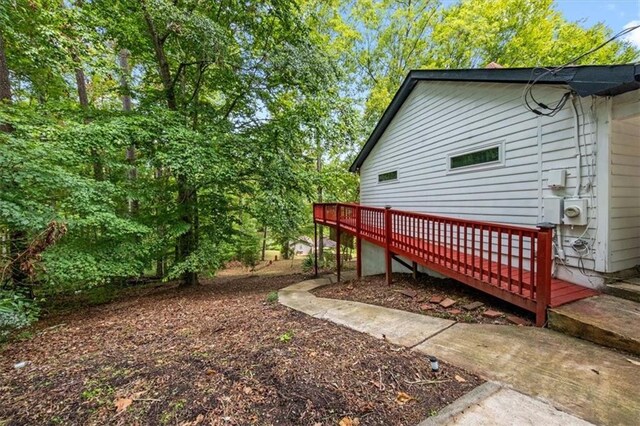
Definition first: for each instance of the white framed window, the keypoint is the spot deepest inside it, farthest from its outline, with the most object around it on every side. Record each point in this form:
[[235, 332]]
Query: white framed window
[[391, 176], [477, 158]]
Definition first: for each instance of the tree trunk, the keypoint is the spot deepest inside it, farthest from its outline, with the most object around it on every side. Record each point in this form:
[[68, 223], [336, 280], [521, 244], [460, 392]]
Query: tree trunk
[[83, 99], [161, 58], [160, 203], [5, 83], [320, 247], [125, 71], [186, 241], [187, 197], [81, 83], [264, 242]]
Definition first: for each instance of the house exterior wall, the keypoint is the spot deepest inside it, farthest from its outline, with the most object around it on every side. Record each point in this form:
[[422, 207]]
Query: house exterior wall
[[441, 118], [624, 208], [373, 262]]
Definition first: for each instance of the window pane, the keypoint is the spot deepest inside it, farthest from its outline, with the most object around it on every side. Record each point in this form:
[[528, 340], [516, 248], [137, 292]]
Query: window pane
[[479, 157], [388, 176]]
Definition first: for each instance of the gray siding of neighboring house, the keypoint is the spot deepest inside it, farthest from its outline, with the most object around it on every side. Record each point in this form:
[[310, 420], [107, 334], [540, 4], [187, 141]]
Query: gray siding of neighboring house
[[440, 118]]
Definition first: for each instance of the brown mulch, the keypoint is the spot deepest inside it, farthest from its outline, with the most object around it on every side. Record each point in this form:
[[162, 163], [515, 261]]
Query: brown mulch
[[218, 354], [411, 295]]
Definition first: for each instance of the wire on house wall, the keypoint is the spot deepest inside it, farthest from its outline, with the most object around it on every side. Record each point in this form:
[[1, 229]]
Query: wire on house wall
[[553, 108], [581, 246]]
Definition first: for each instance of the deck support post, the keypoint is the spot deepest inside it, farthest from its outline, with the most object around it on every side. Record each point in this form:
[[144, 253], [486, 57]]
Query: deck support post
[[414, 270], [387, 245], [338, 241], [315, 247], [543, 274], [358, 244]]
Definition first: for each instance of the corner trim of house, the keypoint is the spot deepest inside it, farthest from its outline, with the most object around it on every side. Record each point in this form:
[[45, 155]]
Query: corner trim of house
[[603, 183]]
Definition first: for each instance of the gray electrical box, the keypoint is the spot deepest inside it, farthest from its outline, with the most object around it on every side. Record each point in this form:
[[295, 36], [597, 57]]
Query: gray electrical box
[[576, 211], [556, 179], [553, 210]]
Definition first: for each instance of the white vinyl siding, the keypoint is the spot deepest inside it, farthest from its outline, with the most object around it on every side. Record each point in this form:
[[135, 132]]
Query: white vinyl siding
[[625, 182], [441, 118]]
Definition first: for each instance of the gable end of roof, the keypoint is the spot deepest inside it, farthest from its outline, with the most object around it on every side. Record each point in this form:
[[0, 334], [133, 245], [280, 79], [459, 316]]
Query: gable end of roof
[[596, 80]]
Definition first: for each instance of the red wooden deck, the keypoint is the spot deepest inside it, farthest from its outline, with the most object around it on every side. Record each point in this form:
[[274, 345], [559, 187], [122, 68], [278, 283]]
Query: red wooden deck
[[510, 262]]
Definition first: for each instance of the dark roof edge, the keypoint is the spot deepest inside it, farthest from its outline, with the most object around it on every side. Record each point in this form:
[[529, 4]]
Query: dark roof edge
[[598, 80]]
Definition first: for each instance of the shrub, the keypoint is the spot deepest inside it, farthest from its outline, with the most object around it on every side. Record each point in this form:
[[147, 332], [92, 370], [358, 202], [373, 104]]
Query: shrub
[[328, 261], [307, 263], [286, 337], [272, 297], [16, 311]]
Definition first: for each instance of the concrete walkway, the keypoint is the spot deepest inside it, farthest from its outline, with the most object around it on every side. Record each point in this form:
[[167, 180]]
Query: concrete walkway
[[577, 377], [491, 404]]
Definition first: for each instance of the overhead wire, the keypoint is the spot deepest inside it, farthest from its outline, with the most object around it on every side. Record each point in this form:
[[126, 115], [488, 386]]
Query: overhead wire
[[551, 110]]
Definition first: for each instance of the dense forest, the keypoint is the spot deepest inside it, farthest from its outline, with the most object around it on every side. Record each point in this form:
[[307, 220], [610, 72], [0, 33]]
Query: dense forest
[[163, 138]]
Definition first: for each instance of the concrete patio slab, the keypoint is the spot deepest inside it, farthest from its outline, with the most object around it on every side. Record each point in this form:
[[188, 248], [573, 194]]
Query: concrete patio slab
[[398, 327], [592, 382], [308, 285], [300, 301], [493, 405]]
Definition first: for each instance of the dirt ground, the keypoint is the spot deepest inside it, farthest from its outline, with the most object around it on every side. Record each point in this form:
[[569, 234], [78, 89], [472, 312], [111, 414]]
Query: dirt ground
[[219, 353], [424, 296]]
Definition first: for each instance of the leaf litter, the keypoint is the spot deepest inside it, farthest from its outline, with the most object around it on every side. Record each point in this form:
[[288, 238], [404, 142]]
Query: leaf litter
[[211, 354]]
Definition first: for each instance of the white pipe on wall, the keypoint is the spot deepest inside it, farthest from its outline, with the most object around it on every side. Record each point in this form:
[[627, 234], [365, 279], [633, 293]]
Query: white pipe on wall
[[576, 137]]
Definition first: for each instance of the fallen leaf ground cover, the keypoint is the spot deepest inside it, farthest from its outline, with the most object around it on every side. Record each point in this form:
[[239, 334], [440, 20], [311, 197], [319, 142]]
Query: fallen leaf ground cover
[[219, 354], [429, 296]]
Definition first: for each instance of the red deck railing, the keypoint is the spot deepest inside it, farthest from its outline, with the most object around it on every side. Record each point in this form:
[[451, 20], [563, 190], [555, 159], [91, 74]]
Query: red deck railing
[[507, 261]]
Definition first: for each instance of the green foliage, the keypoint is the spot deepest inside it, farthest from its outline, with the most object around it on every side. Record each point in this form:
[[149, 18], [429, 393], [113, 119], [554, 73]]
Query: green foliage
[[242, 113], [246, 244], [286, 337], [308, 262], [389, 38], [327, 261], [272, 297], [16, 311]]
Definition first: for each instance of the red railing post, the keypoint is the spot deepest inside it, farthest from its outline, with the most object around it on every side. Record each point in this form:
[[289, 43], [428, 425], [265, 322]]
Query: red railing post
[[315, 242], [358, 243], [543, 278], [338, 241], [387, 238]]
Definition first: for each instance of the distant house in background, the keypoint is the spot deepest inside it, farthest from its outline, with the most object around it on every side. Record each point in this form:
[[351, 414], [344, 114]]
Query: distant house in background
[[328, 243], [302, 246]]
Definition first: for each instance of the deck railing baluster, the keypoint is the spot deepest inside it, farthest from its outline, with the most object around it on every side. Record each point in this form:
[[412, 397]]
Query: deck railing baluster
[[466, 262], [532, 266], [499, 257], [439, 221], [481, 251], [416, 236], [520, 257], [509, 260], [490, 255], [458, 245], [473, 250]]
